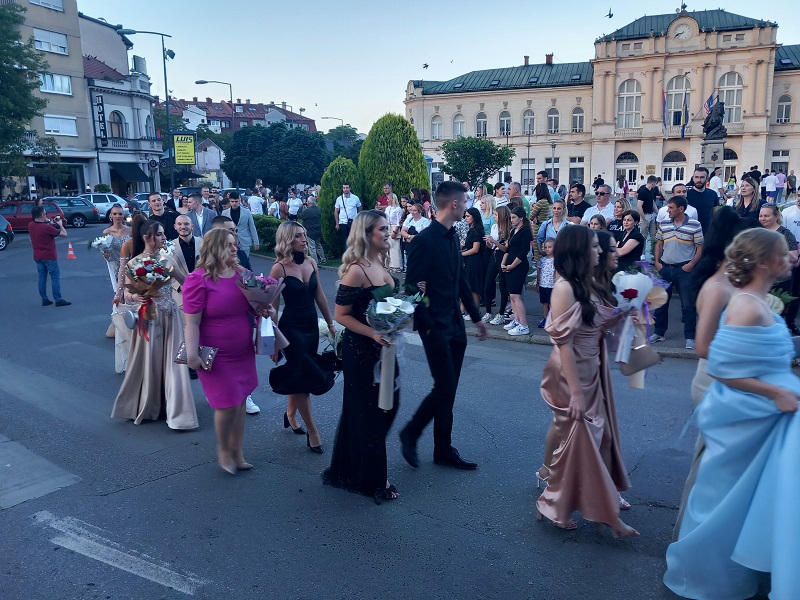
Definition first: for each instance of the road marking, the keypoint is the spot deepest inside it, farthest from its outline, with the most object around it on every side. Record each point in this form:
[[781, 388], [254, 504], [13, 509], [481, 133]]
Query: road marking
[[25, 475], [85, 539]]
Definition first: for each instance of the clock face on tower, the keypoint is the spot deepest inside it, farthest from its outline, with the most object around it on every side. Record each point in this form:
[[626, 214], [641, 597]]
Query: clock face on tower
[[683, 32]]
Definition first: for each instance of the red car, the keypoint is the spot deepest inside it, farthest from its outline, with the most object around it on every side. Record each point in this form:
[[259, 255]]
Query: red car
[[18, 213]]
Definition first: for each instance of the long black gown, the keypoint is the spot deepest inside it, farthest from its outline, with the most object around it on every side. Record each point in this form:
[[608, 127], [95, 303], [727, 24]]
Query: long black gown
[[300, 374], [359, 454]]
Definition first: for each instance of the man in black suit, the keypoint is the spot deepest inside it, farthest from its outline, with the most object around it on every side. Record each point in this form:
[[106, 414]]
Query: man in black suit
[[434, 263]]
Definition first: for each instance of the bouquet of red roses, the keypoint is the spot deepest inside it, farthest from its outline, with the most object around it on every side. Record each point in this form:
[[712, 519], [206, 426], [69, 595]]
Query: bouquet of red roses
[[146, 277]]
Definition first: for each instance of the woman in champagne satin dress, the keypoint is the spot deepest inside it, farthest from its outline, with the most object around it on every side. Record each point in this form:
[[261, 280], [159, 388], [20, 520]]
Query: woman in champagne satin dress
[[587, 470]]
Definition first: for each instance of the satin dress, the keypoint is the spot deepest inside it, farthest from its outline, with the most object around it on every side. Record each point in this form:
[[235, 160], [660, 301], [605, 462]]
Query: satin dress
[[579, 477], [741, 516]]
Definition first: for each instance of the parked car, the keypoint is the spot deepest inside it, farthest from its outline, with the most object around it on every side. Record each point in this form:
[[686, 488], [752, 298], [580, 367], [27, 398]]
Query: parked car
[[104, 203], [77, 211], [18, 213], [6, 233], [188, 191], [242, 191]]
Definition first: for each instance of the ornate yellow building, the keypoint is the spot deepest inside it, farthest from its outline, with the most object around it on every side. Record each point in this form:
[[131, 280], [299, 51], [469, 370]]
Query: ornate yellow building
[[622, 112]]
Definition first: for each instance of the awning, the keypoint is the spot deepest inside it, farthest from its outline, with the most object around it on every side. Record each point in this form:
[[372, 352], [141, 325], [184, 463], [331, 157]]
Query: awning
[[129, 171], [186, 174]]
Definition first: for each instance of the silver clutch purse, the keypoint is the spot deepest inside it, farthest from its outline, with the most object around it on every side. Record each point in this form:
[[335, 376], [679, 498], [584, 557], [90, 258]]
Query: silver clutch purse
[[207, 354]]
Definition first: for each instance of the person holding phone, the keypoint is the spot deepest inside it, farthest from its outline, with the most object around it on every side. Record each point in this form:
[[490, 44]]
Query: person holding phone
[[43, 233]]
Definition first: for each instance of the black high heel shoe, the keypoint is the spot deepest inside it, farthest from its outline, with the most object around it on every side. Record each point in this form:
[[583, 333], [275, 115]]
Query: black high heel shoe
[[314, 449], [287, 424]]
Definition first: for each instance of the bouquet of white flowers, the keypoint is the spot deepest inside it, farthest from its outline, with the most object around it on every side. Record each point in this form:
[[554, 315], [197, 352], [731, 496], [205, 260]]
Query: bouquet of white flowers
[[102, 243]]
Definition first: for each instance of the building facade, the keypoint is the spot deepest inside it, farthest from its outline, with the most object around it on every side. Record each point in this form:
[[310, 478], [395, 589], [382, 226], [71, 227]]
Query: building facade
[[622, 113], [222, 116]]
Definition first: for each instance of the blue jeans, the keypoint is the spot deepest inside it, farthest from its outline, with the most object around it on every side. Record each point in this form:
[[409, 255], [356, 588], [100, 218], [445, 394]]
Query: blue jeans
[[778, 195], [682, 282], [44, 267]]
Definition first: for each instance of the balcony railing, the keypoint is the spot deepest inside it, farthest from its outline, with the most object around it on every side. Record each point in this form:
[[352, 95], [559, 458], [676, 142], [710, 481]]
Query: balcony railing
[[734, 127], [675, 130], [628, 132], [142, 144]]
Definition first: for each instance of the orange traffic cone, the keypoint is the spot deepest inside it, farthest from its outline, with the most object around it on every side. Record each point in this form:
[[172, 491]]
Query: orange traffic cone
[[70, 251]]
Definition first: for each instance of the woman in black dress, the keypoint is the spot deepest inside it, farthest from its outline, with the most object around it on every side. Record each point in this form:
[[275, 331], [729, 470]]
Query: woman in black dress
[[629, 248], [359, 454], [515, 265], [473, 255], [300, 376]]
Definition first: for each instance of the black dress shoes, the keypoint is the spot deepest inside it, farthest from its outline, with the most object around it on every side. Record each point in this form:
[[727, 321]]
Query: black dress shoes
[[452, 458], [408, 446]]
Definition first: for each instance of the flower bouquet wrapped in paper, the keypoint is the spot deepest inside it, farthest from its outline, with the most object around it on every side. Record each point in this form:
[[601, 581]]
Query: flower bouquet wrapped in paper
[[637, 294], [102, 243], [388, 315], [261, 292], [146, 277]]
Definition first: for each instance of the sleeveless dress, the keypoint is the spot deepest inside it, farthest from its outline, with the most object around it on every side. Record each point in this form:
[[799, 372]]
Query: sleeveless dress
[[579, 478], [359, 454], [113, 261], [300, 374], [225, 326], [741, 515]]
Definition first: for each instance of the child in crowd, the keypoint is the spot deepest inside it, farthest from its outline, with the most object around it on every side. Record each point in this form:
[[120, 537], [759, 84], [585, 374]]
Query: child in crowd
[[546, 278]]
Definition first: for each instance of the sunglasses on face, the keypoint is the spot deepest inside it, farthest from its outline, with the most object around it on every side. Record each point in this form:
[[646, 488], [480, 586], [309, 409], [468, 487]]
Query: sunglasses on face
[[602, 194]]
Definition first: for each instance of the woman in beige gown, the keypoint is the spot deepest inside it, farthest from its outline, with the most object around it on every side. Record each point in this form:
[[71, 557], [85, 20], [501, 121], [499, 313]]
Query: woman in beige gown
[[587, 470], [154, 385]]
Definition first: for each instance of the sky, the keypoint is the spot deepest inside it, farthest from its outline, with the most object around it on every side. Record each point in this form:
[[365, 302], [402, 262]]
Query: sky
[[352, 59]]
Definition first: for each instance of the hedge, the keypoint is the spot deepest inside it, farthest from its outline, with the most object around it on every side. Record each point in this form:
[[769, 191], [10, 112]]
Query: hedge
[[267, 227]]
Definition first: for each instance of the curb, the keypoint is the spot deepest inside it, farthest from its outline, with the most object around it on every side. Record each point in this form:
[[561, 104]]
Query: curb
[[544, 340]]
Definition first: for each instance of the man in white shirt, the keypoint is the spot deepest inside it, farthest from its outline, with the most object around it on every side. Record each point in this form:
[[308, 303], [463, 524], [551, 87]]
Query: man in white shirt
[[791, 220], [604, 205], [717, 184], [678, 189], [771, 184], [255, 203], [345, 209]]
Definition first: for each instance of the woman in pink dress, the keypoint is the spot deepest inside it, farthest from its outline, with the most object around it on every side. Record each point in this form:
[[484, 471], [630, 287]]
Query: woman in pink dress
[[586, 471], [217, 316]]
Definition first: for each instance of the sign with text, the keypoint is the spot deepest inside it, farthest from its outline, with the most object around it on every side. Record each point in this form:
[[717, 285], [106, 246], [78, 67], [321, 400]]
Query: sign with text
[[650, 169], [183, 143], [101, 120]]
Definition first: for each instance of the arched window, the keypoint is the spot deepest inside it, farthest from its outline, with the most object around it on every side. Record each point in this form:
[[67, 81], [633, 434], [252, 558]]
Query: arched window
[[677, 97], [481, 124], [627, 166], [629, 104], [627, 157], [505, 123], [577, 120], [458, 126], [730, 92], [674, 169], [553, 120], [436, 127], [784, 109], [528, 122], [729, 154], [116, 125], [150, 131]]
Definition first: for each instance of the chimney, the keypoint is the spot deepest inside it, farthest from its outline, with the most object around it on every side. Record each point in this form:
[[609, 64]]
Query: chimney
[[283, 105], [155, 98], [238, 101], [208, 100], [548, 59], [527, 60], [247, 101], [194, 99]]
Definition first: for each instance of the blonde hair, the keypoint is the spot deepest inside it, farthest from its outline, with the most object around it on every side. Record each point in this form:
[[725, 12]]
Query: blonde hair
[[748, 250], [214, 252], [284, 238], [358, 243], [392, 199], [489, 204], [626, 206]]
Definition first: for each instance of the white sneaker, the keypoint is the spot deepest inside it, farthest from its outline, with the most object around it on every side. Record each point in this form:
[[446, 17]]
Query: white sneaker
[[519, 330], [466, 317], [250, 407], [511, 325], [486, 318], [498, 320], [690, 344]]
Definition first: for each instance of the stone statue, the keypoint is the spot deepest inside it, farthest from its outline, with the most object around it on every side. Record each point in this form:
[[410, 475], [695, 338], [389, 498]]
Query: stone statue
[[712, 126]]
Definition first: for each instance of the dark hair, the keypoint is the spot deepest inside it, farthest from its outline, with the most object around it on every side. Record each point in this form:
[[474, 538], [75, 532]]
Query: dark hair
[[195, 195], [678, 201], [580, 187], [220, 219], [520, 213], [37, 211], [701, 168], [234, 196], [543, 174], [503, 222], [156, 194], [425, 195], [725, 225], [602, 274], [146, 228], [571, 261], [600, 219], [477, 221], [634, 214], [542, 191], [446, 192], [652, 179], [415, 194]]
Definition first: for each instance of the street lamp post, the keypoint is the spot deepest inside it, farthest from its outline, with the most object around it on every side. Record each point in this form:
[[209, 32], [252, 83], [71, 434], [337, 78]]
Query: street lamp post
[[164, 54], [341, 122]]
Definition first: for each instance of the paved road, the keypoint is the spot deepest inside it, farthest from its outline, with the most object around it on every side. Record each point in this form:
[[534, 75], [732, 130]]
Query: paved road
[[96, 508]]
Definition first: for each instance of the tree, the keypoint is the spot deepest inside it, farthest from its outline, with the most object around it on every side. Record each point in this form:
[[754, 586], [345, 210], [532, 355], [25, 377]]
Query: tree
[[223, 140], [474, 160], [160, 125], [277, 155], [20, 65], [342, 133], [391, 153], [340, 171], [48, 163], [350, 151]]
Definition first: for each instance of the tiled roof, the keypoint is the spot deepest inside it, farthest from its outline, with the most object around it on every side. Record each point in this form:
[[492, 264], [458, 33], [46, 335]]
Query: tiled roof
[[513, 78], [787, 58], [97, 69], [708, 20], [250, 111]]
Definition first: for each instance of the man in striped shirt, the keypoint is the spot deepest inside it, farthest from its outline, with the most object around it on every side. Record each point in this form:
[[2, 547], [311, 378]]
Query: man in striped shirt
[[679, 245]]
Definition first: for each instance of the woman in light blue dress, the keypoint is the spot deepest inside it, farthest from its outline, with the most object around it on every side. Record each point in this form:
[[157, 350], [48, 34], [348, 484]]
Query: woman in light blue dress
[[741, 517]]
